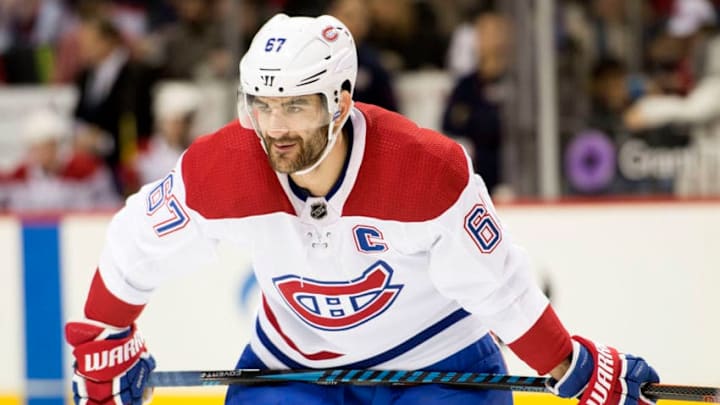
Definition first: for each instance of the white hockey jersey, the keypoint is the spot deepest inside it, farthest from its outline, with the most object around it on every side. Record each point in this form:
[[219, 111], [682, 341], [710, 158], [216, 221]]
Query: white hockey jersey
[[403, 264]]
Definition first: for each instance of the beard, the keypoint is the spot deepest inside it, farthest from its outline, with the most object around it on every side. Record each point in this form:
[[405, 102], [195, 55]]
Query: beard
[[303, 154]]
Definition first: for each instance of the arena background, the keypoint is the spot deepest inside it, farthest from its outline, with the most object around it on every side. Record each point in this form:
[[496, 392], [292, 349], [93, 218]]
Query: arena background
[[633, 266]]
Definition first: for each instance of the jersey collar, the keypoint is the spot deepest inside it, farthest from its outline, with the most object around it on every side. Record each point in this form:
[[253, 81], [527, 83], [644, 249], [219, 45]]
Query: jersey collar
[[338, 194]]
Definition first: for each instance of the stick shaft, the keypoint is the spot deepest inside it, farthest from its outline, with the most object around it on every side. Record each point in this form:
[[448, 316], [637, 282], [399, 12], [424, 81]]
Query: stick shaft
[[402, 378]]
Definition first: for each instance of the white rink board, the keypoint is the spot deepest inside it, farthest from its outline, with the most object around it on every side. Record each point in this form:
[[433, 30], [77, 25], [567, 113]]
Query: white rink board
[[641, 277], [11, 305]]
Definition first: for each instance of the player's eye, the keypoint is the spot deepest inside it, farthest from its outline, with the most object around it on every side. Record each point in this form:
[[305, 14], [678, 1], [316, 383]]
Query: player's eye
[[261, 107]]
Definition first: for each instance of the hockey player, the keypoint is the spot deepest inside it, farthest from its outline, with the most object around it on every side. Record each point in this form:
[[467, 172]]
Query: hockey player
[[374, 245]]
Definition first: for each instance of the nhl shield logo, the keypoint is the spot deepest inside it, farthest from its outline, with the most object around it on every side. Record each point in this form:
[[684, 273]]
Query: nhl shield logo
[[340, 305], [318, 210]]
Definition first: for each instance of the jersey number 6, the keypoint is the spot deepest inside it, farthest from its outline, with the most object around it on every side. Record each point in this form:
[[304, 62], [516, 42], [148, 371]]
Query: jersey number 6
[[161, 196], [482, 228]]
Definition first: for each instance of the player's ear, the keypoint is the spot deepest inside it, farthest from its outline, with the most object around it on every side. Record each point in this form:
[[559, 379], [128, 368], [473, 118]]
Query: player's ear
[[344, 105]]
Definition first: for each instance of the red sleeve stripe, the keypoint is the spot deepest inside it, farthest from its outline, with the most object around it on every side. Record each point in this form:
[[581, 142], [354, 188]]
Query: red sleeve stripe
[[103, 306], [545, 344]]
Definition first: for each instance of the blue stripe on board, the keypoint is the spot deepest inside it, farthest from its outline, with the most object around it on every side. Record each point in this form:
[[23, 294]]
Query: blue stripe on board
[[43, 311]]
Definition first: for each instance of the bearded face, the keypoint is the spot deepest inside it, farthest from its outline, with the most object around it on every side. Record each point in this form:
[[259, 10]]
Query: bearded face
[[293, 152], [293, 130]]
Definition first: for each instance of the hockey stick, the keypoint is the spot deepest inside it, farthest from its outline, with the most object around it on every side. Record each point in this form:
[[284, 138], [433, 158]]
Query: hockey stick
[[403, 378]]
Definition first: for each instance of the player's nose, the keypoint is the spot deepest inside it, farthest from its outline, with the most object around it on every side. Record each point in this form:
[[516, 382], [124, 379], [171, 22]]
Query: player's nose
[[277, 132], [276, 125]]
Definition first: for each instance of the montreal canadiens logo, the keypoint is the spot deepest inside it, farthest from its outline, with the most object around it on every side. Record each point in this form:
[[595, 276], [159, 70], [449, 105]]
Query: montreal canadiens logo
[[330, 33], [340, 305]]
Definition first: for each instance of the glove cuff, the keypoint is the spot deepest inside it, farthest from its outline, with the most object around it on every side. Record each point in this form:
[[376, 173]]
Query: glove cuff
[[88, 330], [606, 373], [577, 376], [600, 375]]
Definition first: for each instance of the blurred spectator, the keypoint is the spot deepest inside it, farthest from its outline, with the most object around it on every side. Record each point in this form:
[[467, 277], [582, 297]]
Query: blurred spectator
[[250, 15], [664, 63], [693, 24], [612, 90], [599, 28], [407, 34], [176, 104], [114, 97], [699, 170], [374, 82], [590, 155], [461, 59], [668, 58], [596, 157], [130, 18], [194, 46], [29, 30], [589, 32], [68, 63], [680, 54], [473, 114], [53, 177]]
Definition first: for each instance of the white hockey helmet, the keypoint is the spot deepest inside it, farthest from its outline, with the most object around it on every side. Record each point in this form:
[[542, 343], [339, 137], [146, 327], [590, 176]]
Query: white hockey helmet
[[174, 99], [297, 56], [46, 125]]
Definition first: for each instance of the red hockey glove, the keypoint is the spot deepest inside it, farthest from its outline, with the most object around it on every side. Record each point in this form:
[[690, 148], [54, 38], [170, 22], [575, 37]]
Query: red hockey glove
[[602, 376], [112, 364]]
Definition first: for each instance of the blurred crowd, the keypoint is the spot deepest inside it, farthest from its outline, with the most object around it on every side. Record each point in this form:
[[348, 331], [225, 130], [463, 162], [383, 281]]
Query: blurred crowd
[[637, 92], [636, 102], [651, 120]]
